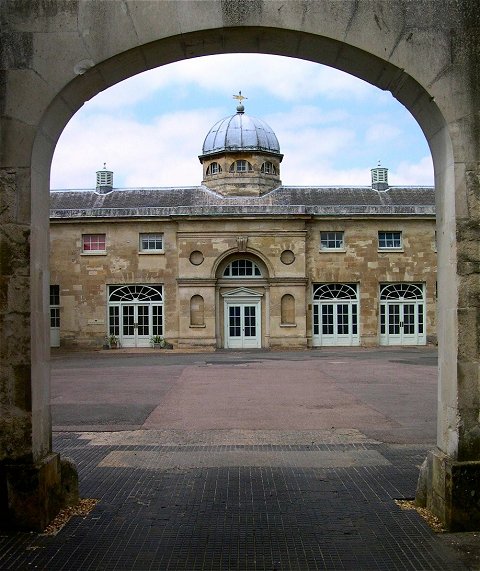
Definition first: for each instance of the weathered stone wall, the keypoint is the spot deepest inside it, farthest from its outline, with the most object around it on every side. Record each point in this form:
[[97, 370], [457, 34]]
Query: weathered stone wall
[[363, 263], [242, 184], [196, 253]]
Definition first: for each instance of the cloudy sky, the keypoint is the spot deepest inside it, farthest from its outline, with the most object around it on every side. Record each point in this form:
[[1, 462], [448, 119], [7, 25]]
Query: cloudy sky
[[332, 127]]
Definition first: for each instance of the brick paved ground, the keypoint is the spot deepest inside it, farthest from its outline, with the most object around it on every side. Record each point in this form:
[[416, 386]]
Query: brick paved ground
[[227, 497]]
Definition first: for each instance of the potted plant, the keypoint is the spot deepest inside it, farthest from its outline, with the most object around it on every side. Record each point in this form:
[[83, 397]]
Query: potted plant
[[113, 341], [157, 341]]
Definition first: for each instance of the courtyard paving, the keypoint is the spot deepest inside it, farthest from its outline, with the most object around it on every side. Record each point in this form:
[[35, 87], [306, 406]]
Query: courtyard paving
[[244, 460]]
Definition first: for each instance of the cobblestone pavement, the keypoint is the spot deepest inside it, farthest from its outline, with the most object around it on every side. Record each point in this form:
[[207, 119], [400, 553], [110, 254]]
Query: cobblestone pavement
[[238, 498]]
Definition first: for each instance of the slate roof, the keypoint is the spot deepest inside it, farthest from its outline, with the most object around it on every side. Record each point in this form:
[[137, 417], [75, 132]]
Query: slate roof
[[201, 201]]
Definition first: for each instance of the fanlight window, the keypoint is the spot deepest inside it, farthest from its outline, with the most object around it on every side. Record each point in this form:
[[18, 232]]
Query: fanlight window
[[241, 166], [135, 293], [214, 168], [268, 168], [242, 269], [335, 291], [401, 291]]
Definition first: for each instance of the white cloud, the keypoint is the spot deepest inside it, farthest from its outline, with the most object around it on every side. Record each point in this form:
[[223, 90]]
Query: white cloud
[[380, 133], [285, 78], [412, 174], [162, 153]]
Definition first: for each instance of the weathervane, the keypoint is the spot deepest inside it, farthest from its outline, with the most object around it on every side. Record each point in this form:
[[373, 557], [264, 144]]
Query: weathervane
[[239, 97]]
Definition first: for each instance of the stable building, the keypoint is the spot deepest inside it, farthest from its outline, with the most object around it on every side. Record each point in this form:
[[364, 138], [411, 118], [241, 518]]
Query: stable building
[[242, 261]]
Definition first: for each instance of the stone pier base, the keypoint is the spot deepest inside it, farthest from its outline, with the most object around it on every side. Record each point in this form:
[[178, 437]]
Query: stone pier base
[[31, 495], [451, 491]]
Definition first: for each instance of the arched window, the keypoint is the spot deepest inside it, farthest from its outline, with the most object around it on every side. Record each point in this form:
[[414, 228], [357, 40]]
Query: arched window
[[197, 310], [401, 291], [241, 166], [268, 168], [288, 309], [135, 293], [335, 291], [335, 314], [213, 168], [242, 269]]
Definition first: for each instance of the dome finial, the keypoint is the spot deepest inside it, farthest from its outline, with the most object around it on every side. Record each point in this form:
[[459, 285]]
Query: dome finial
[[240, 98]]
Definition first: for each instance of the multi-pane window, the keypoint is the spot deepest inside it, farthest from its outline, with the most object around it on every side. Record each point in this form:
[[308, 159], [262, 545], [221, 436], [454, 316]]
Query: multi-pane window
[[54, 306], [214, 168], [268, 168], [93, 243], [241, 166], [242, 269], [151, 242], [331, 241], [389, 240]]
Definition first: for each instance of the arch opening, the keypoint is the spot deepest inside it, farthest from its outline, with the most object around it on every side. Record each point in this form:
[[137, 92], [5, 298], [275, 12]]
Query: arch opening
[[321, 49]]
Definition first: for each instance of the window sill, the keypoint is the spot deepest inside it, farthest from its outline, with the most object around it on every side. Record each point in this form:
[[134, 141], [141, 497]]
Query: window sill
[[93, 254], [288, 324], [332, 250], [153, 252], [388, 250], [197, 326]]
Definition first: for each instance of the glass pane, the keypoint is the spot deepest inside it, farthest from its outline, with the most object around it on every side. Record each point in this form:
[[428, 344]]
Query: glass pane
[[143, 320], [93, 242], [331, 240], [249, 321], [342, 319], [382, 320], [316, 328], [54, 295], [234, 321], [409, 319], [136, 293], [54, 317], [151, 241], [389, 239], [420, 318], [157, 320], [335, 291], [354, 319], [128, 320], [327, 319], [114, 320], [394, 319]]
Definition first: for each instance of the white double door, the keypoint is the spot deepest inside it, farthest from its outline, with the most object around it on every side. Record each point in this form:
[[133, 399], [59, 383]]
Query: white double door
[[402, 323], [138, 322], [335, 323], [242, 325]]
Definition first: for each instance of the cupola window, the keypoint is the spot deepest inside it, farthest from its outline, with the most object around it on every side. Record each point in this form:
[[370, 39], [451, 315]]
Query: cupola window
[[242, 269], [268, 168], [214, 168], [241, 166]]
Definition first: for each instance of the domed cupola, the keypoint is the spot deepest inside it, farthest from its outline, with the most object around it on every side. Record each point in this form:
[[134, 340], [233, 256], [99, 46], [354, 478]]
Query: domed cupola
[[241, 155]]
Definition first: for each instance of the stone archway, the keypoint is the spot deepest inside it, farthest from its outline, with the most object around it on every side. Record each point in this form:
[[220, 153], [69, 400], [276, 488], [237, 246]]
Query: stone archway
[[399, 46]]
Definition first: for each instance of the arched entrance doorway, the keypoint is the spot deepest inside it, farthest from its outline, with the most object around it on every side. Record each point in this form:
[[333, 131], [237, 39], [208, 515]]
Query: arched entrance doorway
[[42, 93], [242, 284], [135, 313]]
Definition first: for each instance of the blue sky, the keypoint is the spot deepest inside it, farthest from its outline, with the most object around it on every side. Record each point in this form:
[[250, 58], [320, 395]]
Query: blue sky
[[332, 127]]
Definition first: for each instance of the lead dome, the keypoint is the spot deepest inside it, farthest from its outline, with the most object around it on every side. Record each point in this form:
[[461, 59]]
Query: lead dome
[[241, 156], [240, 132]]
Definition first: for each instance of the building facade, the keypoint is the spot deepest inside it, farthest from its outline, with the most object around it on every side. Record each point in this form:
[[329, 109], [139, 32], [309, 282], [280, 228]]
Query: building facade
[[242, 261]]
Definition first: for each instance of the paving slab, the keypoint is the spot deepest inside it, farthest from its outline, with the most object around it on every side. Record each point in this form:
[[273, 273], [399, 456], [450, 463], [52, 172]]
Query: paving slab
[[245, 461]]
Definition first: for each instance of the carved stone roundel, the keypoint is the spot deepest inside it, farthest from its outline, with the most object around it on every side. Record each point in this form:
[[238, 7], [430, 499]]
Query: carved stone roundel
[[196, 257], [287, 257]]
